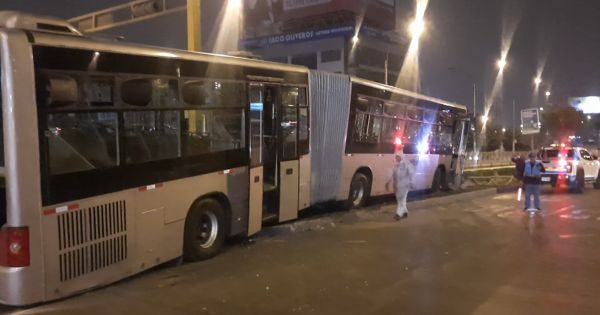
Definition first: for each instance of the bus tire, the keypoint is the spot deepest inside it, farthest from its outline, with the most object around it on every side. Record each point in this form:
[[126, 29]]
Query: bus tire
[[360, 189], [205, 230], [597, 182], [437, 181], [578, 185]]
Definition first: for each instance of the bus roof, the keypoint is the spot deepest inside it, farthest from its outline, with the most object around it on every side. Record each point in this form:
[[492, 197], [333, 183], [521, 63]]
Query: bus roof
[[109, 45], [407, 93]]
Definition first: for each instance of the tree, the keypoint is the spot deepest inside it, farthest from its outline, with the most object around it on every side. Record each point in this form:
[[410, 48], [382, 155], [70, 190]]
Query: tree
[[560, 123]]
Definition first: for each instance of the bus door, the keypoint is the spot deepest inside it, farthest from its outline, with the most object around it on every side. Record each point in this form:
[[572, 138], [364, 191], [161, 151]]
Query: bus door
[[289, 165], [255, 207]]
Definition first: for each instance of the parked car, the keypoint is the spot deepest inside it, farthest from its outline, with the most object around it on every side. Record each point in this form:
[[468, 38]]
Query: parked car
[[570, 166]]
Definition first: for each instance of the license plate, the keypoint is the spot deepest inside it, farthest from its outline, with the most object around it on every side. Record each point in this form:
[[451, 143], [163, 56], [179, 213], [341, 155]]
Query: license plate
[[545, 179]]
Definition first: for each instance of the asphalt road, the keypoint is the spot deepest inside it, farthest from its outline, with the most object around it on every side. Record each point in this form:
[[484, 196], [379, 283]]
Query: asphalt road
[[475, 256]]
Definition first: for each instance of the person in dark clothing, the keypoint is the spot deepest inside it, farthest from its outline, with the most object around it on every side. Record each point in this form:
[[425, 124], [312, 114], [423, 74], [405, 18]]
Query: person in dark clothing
[[532, 181], [519, 167]]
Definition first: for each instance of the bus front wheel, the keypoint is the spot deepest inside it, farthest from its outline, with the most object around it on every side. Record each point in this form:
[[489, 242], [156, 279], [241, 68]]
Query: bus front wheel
[[204, 233]]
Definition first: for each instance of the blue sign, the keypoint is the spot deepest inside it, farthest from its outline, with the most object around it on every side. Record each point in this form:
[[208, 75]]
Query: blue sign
[[297, 37], [256, 107]]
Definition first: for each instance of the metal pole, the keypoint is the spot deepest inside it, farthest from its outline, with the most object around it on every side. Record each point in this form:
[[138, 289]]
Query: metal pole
[[474, 125], [386, 68], [513, 127], [194, 27]]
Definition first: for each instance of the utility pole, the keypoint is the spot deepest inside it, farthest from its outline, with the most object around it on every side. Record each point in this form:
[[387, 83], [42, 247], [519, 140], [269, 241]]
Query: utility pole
[[386, 68], [194, 25], [513, 127], [474, 125]]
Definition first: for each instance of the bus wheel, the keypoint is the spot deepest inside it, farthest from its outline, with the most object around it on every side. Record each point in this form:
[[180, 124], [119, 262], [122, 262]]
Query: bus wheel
[[204, 233], [359, 191], [437, 181]]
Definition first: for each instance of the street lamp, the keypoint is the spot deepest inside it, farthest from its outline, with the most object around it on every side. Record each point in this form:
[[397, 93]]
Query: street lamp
[[503, 130], [355, 39], [501, 64], [235, 4], [416, 28], [548, 93], [484, 119], [541, 109], [537, 82]]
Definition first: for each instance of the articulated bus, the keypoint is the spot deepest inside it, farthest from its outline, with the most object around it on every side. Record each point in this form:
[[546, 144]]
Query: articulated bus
[[119, 157]]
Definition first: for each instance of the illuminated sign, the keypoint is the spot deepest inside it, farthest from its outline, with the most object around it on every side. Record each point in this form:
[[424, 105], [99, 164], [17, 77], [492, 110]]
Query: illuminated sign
[[588, 105], [530, 119]]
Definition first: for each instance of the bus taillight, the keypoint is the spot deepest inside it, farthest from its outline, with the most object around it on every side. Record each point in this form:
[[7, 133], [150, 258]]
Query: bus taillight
[[14, 247]]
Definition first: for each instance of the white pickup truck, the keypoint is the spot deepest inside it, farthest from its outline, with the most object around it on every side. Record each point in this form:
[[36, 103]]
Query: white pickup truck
[[570, 166]]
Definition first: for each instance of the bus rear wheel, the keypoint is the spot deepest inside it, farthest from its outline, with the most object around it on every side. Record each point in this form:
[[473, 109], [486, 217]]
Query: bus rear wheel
[[439, 181], [360, 189], [204, 233]]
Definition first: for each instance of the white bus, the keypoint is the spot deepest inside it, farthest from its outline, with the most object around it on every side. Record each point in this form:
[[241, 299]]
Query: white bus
[[119, 157]]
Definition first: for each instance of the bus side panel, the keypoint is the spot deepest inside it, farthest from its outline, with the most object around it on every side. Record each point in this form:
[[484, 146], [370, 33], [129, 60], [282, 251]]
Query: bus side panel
[[379, 165], [99, 240], [89, 242], [19, 286]]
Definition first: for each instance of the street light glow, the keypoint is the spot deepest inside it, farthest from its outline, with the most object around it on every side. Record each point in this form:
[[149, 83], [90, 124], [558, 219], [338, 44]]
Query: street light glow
[[548, 93], [541, 109], [485, 118], [502, 64], [235, 4], [503, 129], [589, 117], [538, 81], [417, 28]]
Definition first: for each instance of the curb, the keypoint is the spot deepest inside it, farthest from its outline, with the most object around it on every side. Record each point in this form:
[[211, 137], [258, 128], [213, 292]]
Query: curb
[[436, 201]]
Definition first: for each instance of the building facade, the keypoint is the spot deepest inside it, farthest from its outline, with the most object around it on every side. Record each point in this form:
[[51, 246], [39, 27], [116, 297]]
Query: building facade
[[357, 37]]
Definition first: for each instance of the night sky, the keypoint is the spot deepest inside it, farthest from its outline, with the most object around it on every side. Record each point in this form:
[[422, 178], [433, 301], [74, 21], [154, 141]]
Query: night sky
[[462, 45]]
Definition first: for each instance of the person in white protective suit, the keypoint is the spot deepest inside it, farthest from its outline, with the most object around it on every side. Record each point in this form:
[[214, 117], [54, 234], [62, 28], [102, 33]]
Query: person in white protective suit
[[402, 178]]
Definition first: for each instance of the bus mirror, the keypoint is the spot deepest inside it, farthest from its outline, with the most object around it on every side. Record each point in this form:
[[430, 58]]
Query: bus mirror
[[137, 92], [193, 93], [62, 90]]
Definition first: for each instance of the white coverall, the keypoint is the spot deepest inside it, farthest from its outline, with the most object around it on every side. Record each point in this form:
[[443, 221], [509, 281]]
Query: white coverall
[[402, 176]]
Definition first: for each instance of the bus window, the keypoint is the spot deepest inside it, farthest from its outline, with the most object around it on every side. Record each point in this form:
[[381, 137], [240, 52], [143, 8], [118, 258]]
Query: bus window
[[430, 117], [376, 107], [303, 123], [214, 93], [213, 131], [137, 92], [362, 104], [98, 91], [82, 141], [165, 93], [414, 113], [151, 136], [289, 123], [395, 109]]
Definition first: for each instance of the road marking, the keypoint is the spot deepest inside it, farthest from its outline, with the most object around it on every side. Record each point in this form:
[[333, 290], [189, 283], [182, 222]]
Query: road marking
[[568, 236], [563, 209]]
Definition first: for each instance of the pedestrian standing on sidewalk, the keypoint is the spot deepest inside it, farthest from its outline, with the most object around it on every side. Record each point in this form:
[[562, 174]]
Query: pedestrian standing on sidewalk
[[402, 178], [532, 180]]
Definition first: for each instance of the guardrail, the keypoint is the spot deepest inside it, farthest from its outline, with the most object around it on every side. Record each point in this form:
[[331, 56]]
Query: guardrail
[[491, 159]]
